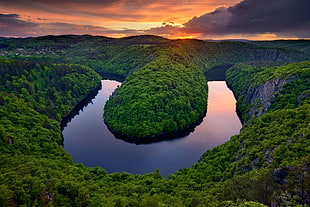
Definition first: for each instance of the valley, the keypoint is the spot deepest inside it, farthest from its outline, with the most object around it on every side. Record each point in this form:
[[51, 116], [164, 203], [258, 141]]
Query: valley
[[164, 90]]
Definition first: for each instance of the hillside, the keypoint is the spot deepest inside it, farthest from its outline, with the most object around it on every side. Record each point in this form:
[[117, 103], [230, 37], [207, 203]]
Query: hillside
[[103, 54], [267, 163], [294, 44]]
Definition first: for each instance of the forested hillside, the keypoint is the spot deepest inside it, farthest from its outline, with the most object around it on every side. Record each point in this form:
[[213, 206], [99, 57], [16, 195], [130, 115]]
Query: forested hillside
[[34, 96], [51, 89], [260, 87], [267, 163], [295, 44], [109, 55]]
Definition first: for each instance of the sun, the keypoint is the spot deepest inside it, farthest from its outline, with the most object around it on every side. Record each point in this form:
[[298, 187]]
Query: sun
[[185, 37]]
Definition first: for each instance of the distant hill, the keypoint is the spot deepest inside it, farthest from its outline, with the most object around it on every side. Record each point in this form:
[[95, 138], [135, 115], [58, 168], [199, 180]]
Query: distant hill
[[232, 40], [2, 38], [295, 44]]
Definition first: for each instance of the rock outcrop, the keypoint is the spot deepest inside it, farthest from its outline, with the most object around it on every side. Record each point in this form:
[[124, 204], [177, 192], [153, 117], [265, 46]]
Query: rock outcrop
[[266, 54], [259, 98]]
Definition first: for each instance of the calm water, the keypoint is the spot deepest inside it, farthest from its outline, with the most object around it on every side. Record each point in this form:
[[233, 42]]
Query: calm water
[[89, 141]]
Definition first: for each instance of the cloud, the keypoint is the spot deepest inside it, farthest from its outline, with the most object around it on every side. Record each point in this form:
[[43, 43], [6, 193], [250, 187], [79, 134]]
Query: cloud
[[246, 19], [10, 25], [178, 11], [285, 18], [43, 3], [212, 23], [77, 10], [165, 30]]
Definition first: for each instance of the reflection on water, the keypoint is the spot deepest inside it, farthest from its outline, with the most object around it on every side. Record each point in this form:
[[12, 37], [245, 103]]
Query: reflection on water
[[89, 141]]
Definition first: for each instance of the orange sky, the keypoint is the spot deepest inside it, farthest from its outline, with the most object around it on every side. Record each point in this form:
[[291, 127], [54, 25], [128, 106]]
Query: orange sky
[[118, 18], [119, 13]]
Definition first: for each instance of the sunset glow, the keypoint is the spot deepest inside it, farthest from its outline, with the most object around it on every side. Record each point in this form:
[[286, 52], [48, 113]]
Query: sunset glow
[[175, 19]]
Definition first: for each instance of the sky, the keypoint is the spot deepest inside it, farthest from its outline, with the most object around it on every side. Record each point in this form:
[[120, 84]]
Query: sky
[[201, 19]]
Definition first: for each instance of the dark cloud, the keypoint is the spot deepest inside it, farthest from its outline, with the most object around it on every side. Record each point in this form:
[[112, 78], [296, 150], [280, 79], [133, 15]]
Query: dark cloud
[[283, 17], [165, 30], [11, 25], [9, 16], [212, 23]]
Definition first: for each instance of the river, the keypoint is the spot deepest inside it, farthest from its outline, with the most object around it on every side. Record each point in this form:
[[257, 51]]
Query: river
[[88, 140]]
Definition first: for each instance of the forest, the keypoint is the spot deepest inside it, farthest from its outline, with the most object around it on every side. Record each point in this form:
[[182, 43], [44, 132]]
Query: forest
[[162, 97], [42, 79]]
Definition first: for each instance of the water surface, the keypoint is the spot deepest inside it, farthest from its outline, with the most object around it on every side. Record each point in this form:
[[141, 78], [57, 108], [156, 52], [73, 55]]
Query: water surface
[[88, 140]]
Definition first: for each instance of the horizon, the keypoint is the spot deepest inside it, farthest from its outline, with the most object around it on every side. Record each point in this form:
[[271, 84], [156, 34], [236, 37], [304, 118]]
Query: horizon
[[173, 19], [215, 40]]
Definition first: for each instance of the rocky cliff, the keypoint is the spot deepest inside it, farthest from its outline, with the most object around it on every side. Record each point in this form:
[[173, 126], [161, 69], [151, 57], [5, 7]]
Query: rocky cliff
[[259, 87], [272, 54], [259, 98]]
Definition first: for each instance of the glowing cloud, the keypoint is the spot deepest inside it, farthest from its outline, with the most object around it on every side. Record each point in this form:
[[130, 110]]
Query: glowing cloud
[[173, 19]]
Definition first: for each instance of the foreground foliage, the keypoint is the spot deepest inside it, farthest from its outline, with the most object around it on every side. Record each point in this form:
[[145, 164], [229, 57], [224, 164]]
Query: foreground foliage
[[50, 89]]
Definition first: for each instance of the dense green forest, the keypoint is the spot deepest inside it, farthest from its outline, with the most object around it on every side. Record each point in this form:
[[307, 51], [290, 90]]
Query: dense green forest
[[266, 164], [162, 97]]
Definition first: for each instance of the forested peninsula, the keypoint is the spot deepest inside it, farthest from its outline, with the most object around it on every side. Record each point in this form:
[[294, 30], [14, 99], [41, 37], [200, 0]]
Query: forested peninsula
[[43, 78]]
